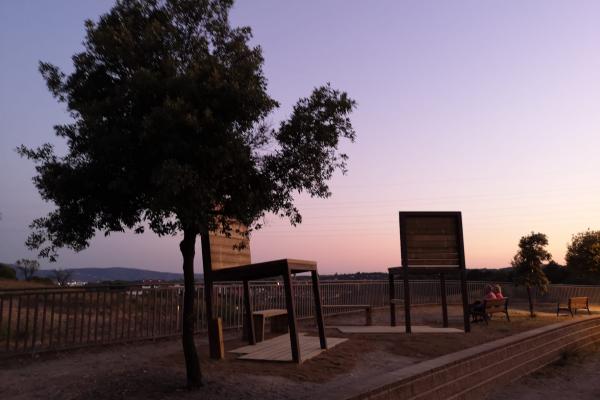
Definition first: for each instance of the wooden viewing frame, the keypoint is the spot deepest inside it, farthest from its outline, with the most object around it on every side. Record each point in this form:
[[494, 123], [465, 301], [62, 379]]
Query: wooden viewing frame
[[283, 268], [448, 252]]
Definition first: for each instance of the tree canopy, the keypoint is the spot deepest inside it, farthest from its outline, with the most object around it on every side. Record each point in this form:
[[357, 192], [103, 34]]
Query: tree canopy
[[169, 108], [528, 264], [170, 131], [529, 261], [583, 256]]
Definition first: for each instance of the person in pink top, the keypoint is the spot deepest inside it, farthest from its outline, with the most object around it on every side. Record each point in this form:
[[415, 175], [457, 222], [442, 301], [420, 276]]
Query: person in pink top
[[489, 293], [498, 292]]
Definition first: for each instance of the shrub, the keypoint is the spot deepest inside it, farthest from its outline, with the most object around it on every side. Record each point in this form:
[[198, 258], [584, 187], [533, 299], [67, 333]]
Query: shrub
[[7, 272]]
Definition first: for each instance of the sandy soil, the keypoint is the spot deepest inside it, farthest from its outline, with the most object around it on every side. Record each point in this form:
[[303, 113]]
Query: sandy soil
[[575, 377], [156, 370]]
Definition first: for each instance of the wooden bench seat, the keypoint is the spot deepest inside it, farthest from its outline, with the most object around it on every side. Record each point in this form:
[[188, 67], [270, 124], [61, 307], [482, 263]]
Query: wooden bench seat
[[574, 304], [489, 308], [277, 317], [367, 307]]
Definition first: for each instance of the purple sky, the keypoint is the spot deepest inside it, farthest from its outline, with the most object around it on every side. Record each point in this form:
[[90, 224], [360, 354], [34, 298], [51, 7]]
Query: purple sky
[[490, 108]]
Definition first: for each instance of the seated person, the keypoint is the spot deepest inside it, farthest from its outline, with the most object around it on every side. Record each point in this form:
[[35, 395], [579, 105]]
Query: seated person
[[498, 292], [488, 295]]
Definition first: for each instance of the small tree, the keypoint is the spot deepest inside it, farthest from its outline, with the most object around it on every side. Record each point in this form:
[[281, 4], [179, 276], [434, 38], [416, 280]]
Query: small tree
[[170, 132], [583, 256], [28, 268], [7, 272], [528, 264], [62, 276]]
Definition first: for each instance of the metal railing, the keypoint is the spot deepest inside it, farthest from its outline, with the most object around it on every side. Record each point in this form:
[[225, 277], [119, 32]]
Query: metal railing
[[34, 320]]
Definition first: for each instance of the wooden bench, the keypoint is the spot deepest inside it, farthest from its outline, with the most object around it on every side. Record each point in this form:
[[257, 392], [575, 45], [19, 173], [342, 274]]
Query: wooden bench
[[489, 308], [574, 304], [277, 317], [367, 307]]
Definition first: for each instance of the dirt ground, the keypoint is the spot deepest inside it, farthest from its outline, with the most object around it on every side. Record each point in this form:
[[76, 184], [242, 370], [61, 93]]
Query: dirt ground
[[13, 284], [155, 370], [575, 377]]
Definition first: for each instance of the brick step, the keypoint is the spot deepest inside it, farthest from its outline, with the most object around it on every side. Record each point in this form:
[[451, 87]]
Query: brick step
[[517, 366], [517, 371], [470, 376]]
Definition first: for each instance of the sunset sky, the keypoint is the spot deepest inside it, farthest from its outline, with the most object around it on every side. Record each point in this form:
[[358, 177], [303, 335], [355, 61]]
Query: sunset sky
[[489, 108]]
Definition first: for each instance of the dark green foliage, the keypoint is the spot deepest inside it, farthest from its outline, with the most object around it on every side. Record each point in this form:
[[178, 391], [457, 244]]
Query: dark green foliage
[[7, 272], [556, 273], [169, 109], [583, 257], [529, 260], [170, 132], [489, 274], [528, 264]]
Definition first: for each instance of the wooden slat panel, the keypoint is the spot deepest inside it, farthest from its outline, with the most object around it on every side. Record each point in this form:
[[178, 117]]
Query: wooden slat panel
[[424, 262], [430, 225], [432, 237], [432, 255], [223, 250], [440, 244]]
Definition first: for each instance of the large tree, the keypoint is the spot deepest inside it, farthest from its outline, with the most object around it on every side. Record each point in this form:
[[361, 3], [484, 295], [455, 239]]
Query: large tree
[[169, 132], [583, 256], [528, 265]]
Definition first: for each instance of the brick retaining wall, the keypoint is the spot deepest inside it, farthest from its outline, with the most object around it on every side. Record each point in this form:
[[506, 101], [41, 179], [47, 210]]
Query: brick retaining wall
[[470, 373]]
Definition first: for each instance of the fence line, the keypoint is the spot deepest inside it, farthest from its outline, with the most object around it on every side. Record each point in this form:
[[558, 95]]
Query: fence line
[[54, 319]]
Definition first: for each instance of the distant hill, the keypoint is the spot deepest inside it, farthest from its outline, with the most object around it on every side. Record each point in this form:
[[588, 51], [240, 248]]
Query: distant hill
[[95, 275]]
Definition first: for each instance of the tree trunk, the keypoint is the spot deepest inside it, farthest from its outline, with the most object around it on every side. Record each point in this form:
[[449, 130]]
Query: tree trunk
[[529, 297], [192, 364]]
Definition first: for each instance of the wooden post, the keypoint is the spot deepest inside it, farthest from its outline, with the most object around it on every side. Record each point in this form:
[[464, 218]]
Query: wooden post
[[407, 323], [444, 301], [465, 300], [392, 290], [35, 319], [289, 302], [43, 333], [9, 327], [318, 309], [216, 343], [250, 333]]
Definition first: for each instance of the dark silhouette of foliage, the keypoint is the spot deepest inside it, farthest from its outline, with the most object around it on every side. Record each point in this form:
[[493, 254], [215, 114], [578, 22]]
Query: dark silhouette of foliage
[[583, 257], [528, 264], [28, 268], [7, 272], [170, 132], [556, 273], [489, 274]]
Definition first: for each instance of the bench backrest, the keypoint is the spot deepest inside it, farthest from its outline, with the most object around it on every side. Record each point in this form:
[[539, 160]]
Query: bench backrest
[[225, 251], [498, 305], [578, 302], [431, 239]]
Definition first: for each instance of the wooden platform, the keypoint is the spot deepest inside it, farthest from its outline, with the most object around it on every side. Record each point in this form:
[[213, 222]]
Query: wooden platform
[[278, 348], [394, 329]]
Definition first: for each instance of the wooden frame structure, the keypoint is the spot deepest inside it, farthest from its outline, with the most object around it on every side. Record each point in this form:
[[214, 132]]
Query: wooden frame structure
[[284, 268], [431, 242]]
